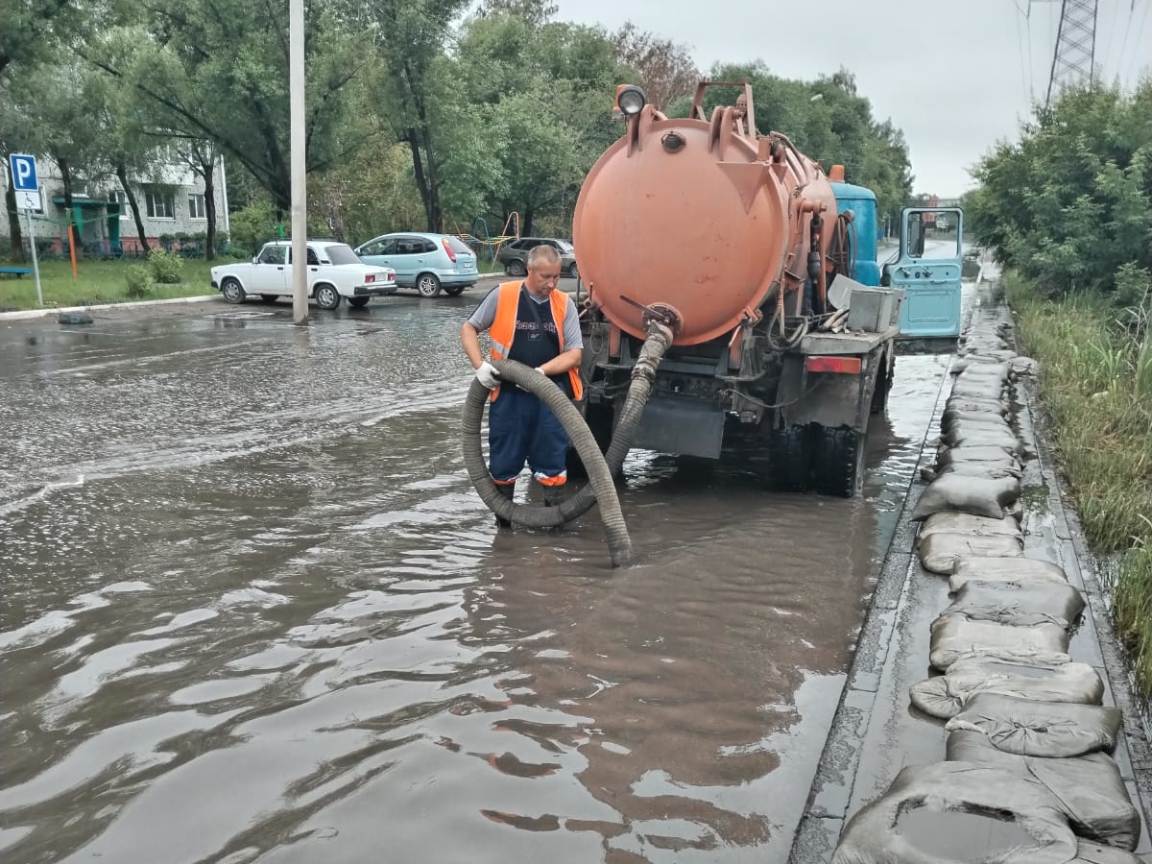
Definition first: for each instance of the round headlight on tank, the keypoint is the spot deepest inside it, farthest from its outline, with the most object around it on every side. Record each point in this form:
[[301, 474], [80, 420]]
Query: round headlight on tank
[[631, 100]]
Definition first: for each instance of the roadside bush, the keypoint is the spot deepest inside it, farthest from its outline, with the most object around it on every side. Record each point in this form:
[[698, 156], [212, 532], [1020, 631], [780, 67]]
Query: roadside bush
[[1070, 204], [165, 267], [139, 281], [252, 227]]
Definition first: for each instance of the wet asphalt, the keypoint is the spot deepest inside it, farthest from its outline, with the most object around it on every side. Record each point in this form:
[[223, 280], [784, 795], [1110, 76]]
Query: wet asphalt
[[253, 611]]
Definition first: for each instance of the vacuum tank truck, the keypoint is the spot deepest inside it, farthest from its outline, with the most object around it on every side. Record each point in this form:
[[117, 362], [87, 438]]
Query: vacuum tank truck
[[733, 240]]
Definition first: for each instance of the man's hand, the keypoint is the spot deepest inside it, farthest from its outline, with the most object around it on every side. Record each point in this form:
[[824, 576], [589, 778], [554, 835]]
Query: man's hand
[[487, 375]]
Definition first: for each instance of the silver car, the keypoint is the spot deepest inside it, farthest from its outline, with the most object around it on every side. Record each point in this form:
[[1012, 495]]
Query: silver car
[[514, 255], [430, 263]]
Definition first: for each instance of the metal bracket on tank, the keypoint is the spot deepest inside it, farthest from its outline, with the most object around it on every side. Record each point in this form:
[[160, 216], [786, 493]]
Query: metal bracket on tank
[[661, 313]]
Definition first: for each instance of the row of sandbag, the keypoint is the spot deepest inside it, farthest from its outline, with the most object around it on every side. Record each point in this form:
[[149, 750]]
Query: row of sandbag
[[1029, 775]]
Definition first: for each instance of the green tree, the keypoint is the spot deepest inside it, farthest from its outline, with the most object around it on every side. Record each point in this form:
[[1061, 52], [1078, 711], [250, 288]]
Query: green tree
[[409, 39], [1070, 203], [217, 70]]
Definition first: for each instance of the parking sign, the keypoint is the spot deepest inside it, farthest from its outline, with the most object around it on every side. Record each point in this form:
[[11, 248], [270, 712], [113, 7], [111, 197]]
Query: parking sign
[[23, 167]]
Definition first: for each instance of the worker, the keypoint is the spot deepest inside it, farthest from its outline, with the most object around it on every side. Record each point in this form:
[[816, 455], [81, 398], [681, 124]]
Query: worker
[[535, 324]]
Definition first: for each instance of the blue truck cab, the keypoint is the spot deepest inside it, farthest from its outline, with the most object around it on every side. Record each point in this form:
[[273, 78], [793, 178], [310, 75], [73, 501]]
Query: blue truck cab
[[861, 202], [927, 268]]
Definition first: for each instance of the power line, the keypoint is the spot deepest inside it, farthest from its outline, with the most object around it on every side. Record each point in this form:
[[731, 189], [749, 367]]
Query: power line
[[1136, 54]]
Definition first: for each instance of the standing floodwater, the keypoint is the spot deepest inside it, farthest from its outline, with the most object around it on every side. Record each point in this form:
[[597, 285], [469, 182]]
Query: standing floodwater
[[252, 610]]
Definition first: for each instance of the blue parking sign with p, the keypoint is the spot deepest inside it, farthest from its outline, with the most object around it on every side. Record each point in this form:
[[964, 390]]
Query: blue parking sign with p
[[23, 167]]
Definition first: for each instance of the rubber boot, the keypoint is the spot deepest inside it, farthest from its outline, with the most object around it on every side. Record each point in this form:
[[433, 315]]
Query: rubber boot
[[508, 491]]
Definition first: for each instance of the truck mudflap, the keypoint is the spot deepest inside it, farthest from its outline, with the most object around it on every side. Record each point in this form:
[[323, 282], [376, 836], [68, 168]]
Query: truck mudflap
[[686, 427]]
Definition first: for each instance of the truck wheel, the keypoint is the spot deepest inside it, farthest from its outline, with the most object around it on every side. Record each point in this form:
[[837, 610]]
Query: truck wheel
[[883, 385], [790, 458], [327, 297], [358, 302], [269, 298], [839, 462], [454, 290]]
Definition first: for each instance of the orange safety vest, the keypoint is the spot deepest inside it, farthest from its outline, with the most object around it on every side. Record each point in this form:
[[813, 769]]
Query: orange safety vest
[[503, 329]]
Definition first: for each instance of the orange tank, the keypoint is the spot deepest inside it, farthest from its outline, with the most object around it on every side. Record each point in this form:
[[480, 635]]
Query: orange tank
[[704, 217]]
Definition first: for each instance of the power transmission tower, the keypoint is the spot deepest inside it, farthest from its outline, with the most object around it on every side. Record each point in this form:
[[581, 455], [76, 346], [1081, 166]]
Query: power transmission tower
[[1073, 60]]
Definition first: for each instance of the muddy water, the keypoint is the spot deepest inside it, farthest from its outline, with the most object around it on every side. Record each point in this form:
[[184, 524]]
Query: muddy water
[[252, 611]]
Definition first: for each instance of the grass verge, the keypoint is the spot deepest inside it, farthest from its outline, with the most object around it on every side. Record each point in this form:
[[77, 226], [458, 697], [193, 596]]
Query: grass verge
[[98, 282], [1096, 384]]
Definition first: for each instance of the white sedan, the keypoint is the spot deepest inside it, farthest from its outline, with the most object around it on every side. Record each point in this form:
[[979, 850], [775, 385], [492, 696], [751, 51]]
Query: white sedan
[[334, 273]]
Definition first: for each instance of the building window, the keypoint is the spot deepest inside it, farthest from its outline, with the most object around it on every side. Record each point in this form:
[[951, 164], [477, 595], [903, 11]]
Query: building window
[[117, 196], [159, 204], [196, 208]]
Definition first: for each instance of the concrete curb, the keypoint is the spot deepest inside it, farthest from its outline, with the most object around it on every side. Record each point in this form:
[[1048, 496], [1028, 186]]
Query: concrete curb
[[26, 314]]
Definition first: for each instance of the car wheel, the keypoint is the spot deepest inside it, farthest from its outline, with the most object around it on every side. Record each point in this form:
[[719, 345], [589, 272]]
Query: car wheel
[[327, 297], [516, 268], [454, 290], [428, 284], [358, 302], [574, 271], [232, 290], [269, 298]]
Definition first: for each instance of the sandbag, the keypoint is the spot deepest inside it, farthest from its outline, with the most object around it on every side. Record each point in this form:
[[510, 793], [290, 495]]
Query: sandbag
[[978, 389], [988, 418], [948, 455], [955, 634], [998, 406], [982, 435], [1019, 602], [976, 495], [987, 470], [1022, 366], [1051, 678], [938, 551], [970, 369], [1007, 569], [1052, 729], [960, 523], [1089, 788], [959, 811], [1088, 852]]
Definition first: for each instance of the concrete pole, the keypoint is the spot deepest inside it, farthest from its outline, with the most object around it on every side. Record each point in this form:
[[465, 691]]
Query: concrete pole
[[299, 176]]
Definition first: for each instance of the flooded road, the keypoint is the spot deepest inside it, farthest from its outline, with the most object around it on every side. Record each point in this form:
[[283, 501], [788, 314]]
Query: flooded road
[[253, 611]]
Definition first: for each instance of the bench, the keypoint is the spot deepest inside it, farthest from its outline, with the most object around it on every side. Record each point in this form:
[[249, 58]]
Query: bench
[[16, 272]]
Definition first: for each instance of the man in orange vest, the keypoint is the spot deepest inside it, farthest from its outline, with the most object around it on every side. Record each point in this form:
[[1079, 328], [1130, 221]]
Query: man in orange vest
[[534, 323]]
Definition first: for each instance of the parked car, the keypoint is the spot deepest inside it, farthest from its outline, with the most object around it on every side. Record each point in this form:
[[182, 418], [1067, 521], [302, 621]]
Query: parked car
[[430, 263], [334, 273], [514, 255]]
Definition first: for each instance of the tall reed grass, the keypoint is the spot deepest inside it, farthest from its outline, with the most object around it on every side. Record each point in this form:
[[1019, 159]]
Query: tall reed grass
[[1096, 384]]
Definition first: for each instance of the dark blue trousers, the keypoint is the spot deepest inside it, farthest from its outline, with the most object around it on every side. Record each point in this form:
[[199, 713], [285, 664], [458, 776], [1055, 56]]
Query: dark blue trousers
[[521, 428]]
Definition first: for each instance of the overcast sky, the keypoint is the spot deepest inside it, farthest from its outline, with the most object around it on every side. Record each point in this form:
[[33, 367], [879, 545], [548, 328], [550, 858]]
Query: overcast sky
[[954, 76]]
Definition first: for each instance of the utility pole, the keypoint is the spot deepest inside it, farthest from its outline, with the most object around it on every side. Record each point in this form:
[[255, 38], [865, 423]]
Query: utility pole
[[299, 163], [1074, 58]]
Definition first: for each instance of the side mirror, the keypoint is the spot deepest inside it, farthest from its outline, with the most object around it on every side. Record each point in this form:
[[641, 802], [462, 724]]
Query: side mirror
[[255, 259]]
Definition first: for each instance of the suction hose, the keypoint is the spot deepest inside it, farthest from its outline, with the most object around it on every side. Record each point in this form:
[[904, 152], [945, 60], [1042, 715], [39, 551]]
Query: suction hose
[[601, 468]]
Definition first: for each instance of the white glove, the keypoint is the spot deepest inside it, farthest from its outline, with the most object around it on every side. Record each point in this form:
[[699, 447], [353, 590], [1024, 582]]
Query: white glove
[[540, 369], [487, 375]]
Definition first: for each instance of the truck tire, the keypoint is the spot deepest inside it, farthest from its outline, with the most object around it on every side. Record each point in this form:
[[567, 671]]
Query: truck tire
[[790, 458], [883, 383], [839, 461]]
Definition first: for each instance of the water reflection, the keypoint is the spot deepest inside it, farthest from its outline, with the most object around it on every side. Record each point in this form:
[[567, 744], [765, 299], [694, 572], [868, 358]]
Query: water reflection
[[254, 612]]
